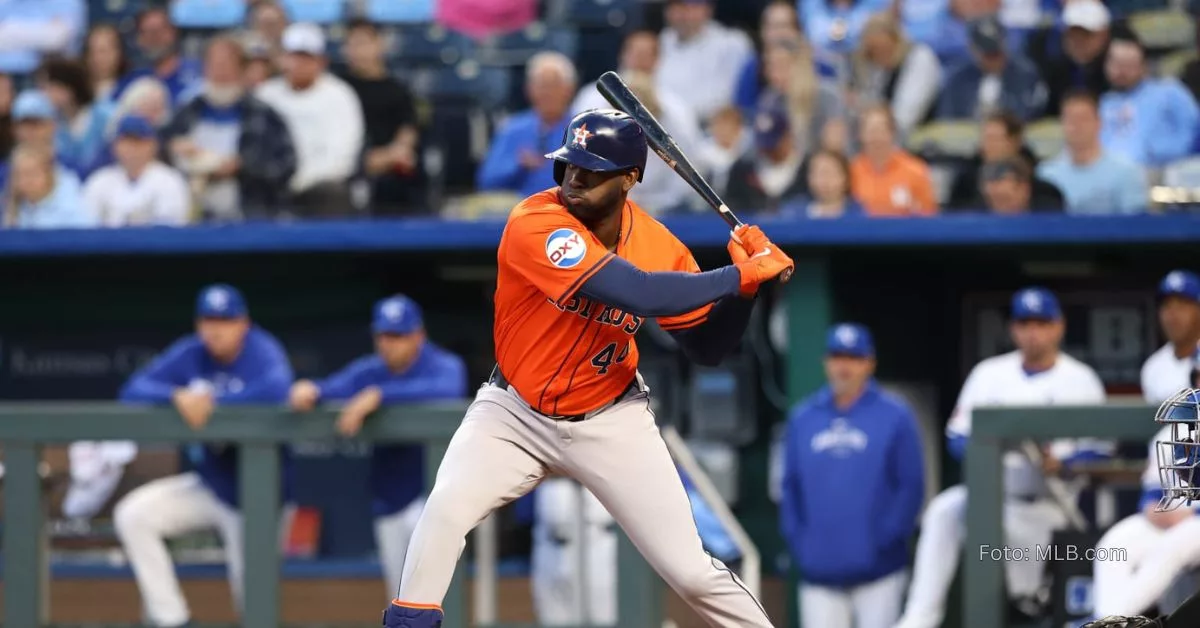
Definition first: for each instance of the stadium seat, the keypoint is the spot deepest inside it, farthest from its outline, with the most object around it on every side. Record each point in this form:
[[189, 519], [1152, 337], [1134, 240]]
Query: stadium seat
[[427, 45], [1044, 137], [606, 13], [208, 13], [1126, 8], [1172, 64], [946, 138], [515, 48], [1164, 30], [316, 11], [466, 82], [118, 12], [399, 11]]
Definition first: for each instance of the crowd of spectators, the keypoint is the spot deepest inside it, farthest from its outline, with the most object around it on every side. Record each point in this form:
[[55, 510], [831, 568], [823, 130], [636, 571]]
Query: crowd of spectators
[[827, 108]]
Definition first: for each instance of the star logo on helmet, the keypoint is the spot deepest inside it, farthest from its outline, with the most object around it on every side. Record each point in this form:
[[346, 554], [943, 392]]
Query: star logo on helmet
[[582, 135]]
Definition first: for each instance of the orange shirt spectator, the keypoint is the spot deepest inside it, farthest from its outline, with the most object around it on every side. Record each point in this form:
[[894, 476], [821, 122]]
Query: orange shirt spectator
[[886, 180]]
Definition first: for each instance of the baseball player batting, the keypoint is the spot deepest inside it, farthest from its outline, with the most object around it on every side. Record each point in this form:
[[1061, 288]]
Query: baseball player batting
[[580, 268]]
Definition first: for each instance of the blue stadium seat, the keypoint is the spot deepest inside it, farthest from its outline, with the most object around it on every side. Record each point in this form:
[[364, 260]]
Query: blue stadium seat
[[466, 82], [208, 13], [427, 45], [118, 12], [609, 13], [399, 11], [316, 11], [517, 47]]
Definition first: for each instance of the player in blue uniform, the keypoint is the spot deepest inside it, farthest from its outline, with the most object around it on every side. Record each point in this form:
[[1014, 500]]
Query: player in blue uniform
[[406, 367], [227, 361]]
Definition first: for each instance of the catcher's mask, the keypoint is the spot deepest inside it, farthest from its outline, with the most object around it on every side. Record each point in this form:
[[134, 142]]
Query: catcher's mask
[[1179, 455]]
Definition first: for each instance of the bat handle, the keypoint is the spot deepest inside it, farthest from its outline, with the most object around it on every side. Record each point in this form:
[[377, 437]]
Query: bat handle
[[785, 276]]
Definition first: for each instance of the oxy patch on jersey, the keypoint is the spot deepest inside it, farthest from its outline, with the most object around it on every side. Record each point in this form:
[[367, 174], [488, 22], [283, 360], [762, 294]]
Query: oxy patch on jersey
[[565, 248], [608, 315]]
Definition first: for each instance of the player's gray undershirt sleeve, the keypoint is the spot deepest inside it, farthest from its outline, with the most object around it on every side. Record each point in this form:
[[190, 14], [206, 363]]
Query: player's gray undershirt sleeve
[[625, 286]]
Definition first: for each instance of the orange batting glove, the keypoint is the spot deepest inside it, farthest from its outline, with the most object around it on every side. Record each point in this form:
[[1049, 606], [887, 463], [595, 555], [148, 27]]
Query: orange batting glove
[[738, 253], [759, 260]]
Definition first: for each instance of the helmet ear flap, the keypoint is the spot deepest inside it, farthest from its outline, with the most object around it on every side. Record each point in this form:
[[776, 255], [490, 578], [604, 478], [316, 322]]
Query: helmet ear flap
[[560, 170]]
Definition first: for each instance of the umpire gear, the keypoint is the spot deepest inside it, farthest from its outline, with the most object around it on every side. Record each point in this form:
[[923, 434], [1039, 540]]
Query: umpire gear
[[601, 140]]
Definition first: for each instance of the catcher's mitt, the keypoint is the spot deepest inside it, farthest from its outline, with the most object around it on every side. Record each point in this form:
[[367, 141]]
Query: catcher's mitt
[[1117, 621]]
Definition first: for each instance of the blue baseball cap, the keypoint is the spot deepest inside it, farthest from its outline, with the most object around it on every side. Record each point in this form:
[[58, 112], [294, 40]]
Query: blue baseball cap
[[33, 104], [135, 126], [1035, 304], [771, 124], [220, 301], [396, 315], [850, 339], [1180, 283]]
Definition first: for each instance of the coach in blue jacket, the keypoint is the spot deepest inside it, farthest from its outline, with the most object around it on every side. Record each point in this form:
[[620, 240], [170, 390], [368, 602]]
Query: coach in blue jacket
[[853, 485], [227, 361], [405, 368]]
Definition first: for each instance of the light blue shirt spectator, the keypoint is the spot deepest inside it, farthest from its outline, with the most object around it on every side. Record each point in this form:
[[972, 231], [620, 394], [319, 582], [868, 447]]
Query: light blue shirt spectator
[[927, 21], [31, 28], [520, 143], [61, 208], [836, 29], [1152, 124], [1108, 185]]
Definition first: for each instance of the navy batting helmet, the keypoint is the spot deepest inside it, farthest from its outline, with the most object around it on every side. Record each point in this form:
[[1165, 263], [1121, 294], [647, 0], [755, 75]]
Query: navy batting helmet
[[602, 140]]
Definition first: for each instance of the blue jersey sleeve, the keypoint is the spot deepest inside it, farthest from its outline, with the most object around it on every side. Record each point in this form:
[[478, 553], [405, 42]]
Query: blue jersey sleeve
[[346, 383], [268, 374], [157, 381], [446, 380]]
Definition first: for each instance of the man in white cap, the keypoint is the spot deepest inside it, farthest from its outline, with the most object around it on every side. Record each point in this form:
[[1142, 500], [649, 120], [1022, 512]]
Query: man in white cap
[[325, 119], [1073, 58]]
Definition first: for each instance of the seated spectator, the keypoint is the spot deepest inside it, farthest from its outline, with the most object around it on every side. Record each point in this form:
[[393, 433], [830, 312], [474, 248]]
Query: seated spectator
[[1001, 136], [828, 188], [82, 122], [994, 78], [138, 189], [35, 125], [1094, 181], [727, 141], [236, 150], [268, 20], [812, 104], [390, 114], [30, 29], [1071, 52], [639, 53], [147, 98], [515, 160], [105, 60], [260, 65], [39, 197], [1149, 121], [892, 70], [700, 58], [885, 179], [836, 25], [772, 175], [7, 94], [1008, 189], [325, 119], [777, 21], [158, 43]]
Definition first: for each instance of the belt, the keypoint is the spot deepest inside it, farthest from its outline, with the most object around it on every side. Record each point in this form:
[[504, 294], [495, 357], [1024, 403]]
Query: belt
[[498, 379]]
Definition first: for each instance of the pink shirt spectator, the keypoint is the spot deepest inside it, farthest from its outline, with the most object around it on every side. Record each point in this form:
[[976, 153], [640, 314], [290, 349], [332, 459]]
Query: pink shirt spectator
[[480, 18]]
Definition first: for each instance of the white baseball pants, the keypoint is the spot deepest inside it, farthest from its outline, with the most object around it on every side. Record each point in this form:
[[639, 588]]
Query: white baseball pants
[[1027, 526], [1139, 563], [871, 605], [392, 534]]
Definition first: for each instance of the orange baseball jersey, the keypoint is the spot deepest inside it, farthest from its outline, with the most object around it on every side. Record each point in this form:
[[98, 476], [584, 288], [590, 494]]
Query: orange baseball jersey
[[562, 352]]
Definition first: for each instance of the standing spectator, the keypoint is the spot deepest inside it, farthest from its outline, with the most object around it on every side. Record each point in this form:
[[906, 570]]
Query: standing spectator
[[139, 189], [405, 368], [81, 121], [1151, 122], [813, 105], [105, 60], [772, 175], [1071, 53], [727, 141], [228, 361], [391, 123], [701, 58], [851, 432], [30, 29], [885, 179], [829, 187], [892, 70], [1007, 187], [1093, 180], [34, 125], [516, 160], [39, 197], [1001, 137], [326, 123], [236, 150], [158, 45], [994, 78], [836, 25]]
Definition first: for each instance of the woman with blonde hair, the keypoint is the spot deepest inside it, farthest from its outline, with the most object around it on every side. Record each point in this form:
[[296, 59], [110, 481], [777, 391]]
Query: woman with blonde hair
[[811, 103], [38, 198], [890, 69]]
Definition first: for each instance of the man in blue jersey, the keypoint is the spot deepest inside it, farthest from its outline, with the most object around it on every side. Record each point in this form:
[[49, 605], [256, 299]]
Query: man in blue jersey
[[227, 361], [847, 440], [405, 368]]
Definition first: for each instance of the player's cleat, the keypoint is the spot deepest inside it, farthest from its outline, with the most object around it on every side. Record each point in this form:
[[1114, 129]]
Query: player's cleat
[[407, 615]]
